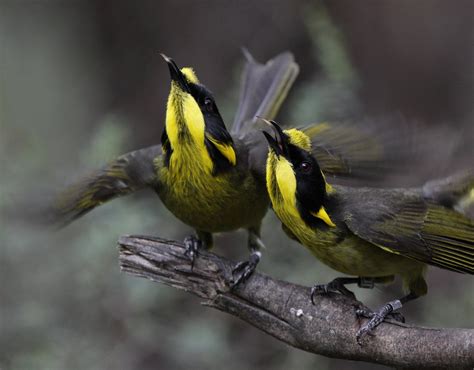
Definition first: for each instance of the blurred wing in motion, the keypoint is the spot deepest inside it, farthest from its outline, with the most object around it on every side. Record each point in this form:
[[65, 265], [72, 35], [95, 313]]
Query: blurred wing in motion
[[371, 152], [124, 175], [456, 191], [264, 88]]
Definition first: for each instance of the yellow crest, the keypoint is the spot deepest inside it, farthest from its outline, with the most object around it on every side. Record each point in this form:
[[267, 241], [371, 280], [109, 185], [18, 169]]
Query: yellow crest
[[299, 138], [190, 75]]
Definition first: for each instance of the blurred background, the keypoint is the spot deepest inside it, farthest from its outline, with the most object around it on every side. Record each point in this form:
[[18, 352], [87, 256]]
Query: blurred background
[[82, 81]]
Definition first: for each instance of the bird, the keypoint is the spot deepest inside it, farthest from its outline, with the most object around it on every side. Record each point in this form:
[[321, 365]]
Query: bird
[[371, 234], [212, 178], [202, 173]]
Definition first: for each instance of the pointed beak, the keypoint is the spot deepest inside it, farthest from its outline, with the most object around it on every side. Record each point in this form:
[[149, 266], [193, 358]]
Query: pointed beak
[[176, 74], [272, 143], [279, 143]]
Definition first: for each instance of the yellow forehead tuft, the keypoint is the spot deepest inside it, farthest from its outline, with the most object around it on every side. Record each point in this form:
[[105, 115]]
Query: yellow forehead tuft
[[190, 75], [299, 139]]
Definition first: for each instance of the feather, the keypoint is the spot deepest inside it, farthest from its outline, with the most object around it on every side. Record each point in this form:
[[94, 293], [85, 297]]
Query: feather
[[264, 88], [128, 173], [402, 222]]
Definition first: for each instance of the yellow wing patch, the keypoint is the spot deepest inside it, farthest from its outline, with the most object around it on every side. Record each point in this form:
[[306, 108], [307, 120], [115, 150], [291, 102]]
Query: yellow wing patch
[[190, 75], [323, 215], [226, 150]]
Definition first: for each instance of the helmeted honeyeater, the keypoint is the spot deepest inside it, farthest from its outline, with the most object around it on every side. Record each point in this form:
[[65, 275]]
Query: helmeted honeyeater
[[370, 233], [213, 179]]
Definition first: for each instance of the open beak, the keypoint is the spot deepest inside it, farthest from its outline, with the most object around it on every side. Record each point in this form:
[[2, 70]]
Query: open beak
[[175, 74], [279, 143]]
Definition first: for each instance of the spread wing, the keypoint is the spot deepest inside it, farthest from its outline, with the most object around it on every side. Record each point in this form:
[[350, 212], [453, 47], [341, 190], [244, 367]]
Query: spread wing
[[369, 151], [122, 176], [402, 222]]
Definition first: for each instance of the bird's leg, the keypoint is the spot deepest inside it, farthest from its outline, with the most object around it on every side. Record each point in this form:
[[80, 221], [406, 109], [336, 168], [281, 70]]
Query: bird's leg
[[338, 285], [377, 317], [242, 270], [193, 244]]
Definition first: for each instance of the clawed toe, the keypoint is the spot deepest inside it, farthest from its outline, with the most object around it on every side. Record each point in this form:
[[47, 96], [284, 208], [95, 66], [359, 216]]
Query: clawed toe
[[317, 290], [397, 316], [364, 312], [377, 317], [244, 269], [334, 286], [192, 245], [370, 326]]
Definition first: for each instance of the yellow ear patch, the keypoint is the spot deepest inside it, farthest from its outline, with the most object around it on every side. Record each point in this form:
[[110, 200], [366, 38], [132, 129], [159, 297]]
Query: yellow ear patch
[[323, 215], [190, 75], [299, 139], [286, 180], [226, 149]]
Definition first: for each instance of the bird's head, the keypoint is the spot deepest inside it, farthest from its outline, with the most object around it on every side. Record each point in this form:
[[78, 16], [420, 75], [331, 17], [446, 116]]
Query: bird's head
[[192, 114], [294, 179]]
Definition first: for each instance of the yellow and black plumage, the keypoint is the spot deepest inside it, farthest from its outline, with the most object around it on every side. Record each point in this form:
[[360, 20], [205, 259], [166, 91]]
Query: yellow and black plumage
[[208, 178], [213, 179], [370, 233]]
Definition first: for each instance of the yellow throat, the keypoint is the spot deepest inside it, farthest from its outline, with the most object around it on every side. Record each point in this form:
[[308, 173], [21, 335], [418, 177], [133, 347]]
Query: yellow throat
[[185, 128], [282, 185]]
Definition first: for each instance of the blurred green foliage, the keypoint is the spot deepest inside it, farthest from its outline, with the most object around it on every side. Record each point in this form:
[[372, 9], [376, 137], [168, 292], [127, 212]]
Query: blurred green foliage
[[332, 94], [64, 302]]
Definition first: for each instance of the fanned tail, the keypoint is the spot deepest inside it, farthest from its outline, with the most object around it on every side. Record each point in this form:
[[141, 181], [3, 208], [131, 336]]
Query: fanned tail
[[264, 88]]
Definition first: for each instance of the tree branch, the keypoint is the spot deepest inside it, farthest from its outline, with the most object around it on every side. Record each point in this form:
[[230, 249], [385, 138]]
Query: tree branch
[[284, 311]]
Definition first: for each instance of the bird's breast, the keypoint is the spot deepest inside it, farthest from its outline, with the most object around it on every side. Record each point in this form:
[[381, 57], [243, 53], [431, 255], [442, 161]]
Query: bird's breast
[[341, 250], [213, 203]]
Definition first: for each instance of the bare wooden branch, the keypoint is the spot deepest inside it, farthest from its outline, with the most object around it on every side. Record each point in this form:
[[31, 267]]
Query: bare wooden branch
[[284, 311]]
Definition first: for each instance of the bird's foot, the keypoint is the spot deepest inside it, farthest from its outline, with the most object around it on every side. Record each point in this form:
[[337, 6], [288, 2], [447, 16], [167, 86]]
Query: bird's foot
[[192, 245], [377, 317], [335, 286], [242, 270], [364, 312]]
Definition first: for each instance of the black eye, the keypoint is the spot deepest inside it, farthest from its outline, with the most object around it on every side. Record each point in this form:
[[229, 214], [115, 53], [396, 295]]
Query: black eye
[[209, 104], [305, 166]]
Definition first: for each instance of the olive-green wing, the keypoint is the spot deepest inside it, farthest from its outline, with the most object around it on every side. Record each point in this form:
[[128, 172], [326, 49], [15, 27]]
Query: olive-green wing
[[404, 223], [264, 87], [369, 150], [122, 176]]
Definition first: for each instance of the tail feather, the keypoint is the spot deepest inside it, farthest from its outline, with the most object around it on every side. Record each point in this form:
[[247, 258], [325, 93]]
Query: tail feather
[[264, 88], [125, 175]]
